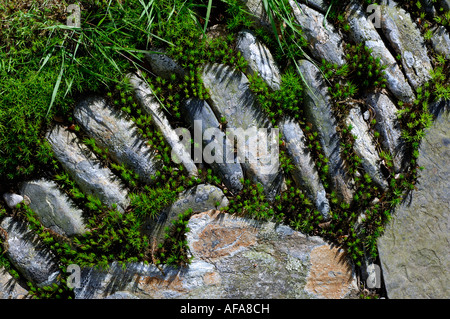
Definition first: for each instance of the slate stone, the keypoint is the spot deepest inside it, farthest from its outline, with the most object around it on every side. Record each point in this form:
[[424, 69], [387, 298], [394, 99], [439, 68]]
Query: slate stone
[[28, 254], [414, 249], [407, 41], [111, 130], [86, 170], [324, 42], [260, 60], [12, 200], [318, 112], [162, 65], [364, 147], [53, 208], [441, 41], [231, 98], [305, 174], [200, 117], [363, 31], [152, 107]]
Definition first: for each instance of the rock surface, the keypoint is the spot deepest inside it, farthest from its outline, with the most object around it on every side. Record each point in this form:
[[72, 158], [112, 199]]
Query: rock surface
[[112, 131], [12, 200], [9, 287], [235, 258], [305, 174], [387, 125], [28, 254], [85, 169], [364, 147], [257, 152], [441, 41], [152, 107], [199, 199], [162, 65], [259, 58], [317, 106], [407, 41], [54, 209], [363, 31], [201, 118], [324, 42], [414, 249]]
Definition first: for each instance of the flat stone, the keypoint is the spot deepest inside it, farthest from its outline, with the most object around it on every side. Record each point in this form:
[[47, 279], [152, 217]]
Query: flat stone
[[414, 249], [305, 174], [363, 31], [388, 127], [235, 258], [441, 41], [9, 287], [317, 107], [406, 39], [86, 170], [364, 147], [231, 98], [260, 60], [162, 65], [54, 209], [12, 200], [28, 254], [319, 5], [200, 198], [153, 108], [111, 130], [201, 118], [324, 42]]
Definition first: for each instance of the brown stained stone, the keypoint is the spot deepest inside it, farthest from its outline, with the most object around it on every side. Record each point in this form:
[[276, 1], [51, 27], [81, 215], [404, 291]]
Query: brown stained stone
[[330, 275], [212, 278], [220, 239], [159, 284]]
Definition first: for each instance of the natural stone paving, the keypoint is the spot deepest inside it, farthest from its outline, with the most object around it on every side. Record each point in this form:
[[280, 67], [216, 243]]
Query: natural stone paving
[[363, 31], [405, 38], [318, 112], [232, 99], [118, 135], [415, 247], [85, 169], [305, 173], [53, 208], [324, 41], [153, 108], [28, 254]]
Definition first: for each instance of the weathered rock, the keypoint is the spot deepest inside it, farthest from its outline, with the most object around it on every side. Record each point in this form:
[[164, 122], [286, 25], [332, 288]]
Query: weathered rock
[[54, 209], [363, 31], [152, 107], [319, 5], [256, 9], [407, 41], [263, 260], [231, 98], [12, 200], [324, 42], [259, 58], [441, 41], [235, 258], [305, 174], [28, 254], [364, 147], [317, 106], [387, 126], [9, 287], [162, 65], [85, 169], [414, 249], [111, 130], [198, 199], [201, 118]]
